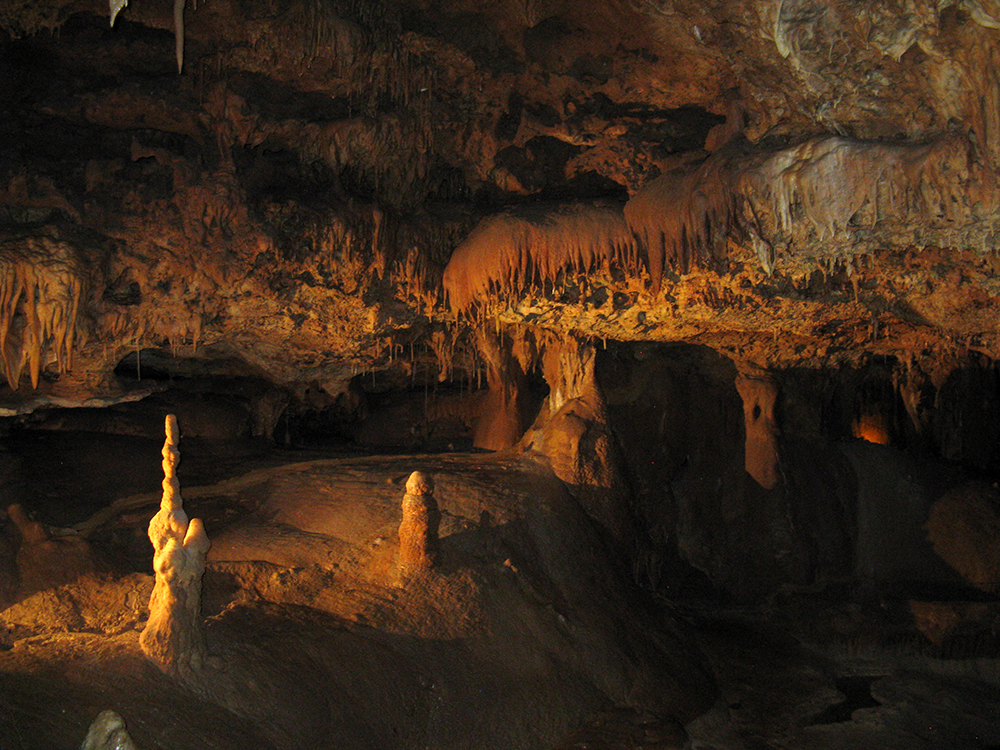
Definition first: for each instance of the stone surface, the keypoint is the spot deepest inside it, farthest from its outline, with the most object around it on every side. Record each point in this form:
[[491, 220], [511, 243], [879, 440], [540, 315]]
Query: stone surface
[[696, 255], [108, 732]]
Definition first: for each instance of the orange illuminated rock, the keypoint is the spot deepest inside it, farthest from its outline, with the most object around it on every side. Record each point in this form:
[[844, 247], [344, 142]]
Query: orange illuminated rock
[[44, 562], [418, 533], [759, 395]]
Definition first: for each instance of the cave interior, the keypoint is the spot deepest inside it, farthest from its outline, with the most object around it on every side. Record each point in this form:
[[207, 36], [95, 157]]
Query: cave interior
[[539, 374]]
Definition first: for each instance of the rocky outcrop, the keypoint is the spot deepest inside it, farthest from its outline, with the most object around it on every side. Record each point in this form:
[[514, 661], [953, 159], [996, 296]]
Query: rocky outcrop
[[288, 205], [44, 561], [759, 394], [964, 527]]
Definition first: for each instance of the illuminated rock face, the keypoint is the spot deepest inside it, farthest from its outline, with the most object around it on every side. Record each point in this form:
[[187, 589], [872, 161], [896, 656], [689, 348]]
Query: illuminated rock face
[[41, 287], [759, 395], [43, 562], [339, 182], [342, 200], [173, 638]]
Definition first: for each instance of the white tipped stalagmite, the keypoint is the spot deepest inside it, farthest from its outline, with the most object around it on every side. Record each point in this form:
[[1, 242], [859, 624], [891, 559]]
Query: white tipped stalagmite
[[172, 637]]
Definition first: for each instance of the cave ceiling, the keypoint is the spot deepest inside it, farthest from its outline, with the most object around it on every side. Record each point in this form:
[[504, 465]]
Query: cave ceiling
[[334, 187]]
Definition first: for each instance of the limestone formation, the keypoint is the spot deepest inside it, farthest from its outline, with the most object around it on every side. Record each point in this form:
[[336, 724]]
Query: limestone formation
[[108, 732], [759, 395], [173, 637], [43, 561], [518, 250], [418, 532], [964, 528], [41, 285]]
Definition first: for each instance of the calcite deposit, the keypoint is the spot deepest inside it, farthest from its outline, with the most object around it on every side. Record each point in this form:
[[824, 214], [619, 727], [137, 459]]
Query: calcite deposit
[[173, 638], [108, 732], [418, 531]]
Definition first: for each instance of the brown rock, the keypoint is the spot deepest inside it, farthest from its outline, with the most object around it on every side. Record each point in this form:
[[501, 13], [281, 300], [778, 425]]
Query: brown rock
[[759, 395], [418, 533], [964, 527]]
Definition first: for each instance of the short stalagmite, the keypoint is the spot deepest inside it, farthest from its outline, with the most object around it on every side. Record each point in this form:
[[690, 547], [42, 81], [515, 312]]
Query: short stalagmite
[[172, 637], [108, 732], [418, 533]]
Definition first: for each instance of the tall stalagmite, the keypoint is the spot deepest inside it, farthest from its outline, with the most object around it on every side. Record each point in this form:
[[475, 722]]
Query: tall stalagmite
[[173, 637]]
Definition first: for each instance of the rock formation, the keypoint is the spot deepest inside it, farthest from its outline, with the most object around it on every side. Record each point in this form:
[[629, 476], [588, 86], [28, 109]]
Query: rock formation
[[964, 528], [418, 532], [43, 561], [173, 637], [685, 253], [108, 732], [759, 395]]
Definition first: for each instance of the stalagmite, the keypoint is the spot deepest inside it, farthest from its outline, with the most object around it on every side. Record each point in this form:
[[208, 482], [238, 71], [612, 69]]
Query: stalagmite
[[173, 637], [418, 532], [108, 732]]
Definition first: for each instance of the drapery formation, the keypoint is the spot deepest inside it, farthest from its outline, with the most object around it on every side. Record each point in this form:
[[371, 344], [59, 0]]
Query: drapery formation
[[41, 283], [821, 197]]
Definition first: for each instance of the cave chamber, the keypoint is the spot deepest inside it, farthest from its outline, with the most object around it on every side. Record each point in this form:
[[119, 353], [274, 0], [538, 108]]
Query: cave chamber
[[533, 374]]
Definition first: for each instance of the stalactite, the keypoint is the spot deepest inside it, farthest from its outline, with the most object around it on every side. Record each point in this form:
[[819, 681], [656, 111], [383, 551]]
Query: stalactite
[[814, 196], [686, 215], [179, 33], [824, 189], [116, 6], [41, 284], [522, 249]]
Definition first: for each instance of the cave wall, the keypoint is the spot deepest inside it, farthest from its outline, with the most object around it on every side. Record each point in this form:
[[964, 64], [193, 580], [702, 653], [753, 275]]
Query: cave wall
[[836, 505]]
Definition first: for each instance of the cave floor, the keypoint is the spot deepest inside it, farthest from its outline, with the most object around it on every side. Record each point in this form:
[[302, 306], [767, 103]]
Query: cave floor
[[821, 671], [824, 669]]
